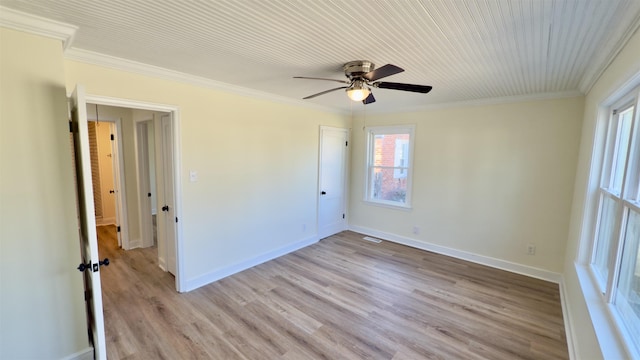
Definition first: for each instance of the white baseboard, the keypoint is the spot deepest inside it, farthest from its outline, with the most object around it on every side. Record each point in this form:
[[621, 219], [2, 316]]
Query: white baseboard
[[194, 283], [568, 323], [162, 263], [85, 354], [464, 255], [134, 244]]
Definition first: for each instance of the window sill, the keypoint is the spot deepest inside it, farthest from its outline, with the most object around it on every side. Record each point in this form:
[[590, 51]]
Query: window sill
[[388, 205], [612, 340]]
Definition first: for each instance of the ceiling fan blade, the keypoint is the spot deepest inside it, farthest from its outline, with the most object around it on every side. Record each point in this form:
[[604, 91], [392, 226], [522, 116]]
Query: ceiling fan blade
[[404, 87], [324, 92], [315, 78], [384, 71], [370, 99]]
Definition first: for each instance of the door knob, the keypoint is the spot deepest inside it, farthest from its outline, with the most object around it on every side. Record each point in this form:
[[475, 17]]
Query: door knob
[[104, 262], [112, 191], [165, 208], [83, 267], [323, 193]]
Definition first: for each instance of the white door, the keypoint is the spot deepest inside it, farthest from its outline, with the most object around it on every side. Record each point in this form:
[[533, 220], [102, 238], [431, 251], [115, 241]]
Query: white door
[[166, 194], [332, 170], [88, 236], [144, 183]]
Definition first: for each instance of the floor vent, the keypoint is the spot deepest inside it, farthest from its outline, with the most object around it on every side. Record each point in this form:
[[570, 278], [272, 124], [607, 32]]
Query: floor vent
[[374, 240]]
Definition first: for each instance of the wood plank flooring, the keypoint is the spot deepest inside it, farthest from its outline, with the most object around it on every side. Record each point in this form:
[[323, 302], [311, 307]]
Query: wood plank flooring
[[342, 298]]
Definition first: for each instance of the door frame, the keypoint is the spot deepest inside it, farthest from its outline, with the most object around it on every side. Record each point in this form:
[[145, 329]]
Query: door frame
[[346, 167], [118, 178], [175, 116]]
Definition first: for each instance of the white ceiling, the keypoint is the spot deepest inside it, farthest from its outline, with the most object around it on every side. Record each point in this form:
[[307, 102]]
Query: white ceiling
[[468, 50]]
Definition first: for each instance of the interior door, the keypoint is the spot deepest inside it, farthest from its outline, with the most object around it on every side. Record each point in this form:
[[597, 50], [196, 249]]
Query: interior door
[[169, 194], [87, 222], [333, 162]]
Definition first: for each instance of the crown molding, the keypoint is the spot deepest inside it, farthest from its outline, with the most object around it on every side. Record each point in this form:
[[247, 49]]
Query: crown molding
[[21, 21], [607, 57], [139, 68], [488, 101]]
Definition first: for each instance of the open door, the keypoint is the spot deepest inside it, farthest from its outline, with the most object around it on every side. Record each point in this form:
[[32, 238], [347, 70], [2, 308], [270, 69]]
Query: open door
[[166, 195], [90, 265]]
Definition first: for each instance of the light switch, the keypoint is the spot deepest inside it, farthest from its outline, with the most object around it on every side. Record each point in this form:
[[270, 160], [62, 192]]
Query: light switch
[[193, 176]]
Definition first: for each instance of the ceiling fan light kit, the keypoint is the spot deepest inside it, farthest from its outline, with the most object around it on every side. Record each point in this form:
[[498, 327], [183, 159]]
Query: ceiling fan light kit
[[358, 91], [362, 75]]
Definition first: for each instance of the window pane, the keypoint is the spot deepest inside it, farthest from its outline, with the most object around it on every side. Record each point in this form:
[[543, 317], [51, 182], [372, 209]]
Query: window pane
[[386, 186], [622, 145], [602, 261], [628, 294], [389, 148]]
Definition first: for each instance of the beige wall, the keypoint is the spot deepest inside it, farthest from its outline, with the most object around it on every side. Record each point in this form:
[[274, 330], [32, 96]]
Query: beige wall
[[626, 65], [256, 162], [42, 313], [487, 180]]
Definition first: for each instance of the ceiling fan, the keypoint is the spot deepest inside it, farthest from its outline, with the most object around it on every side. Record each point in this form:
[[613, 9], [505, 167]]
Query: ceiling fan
[[362, 76]]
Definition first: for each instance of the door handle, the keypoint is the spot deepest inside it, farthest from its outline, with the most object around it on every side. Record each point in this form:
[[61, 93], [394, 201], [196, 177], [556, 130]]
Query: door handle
[[323, 193], [83, 267], [112, 191], [165, 208]]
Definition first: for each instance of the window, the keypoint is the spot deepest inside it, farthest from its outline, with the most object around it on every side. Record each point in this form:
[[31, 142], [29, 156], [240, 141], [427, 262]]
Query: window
[[389, 157], [615, 260]]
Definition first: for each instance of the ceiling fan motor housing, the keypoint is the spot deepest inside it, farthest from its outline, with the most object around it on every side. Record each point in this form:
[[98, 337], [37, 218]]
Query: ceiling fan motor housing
[[356, 69]]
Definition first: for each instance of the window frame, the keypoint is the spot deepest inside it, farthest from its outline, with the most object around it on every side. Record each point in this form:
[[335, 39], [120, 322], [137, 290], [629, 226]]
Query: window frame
[[371, 133], [626, 201]]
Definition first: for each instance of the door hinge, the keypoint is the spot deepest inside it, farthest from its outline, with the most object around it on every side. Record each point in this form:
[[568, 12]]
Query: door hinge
[[118, 229], [112, 137], [343, 216], [70, 126], [346, 143], [176, 219], [87, 296]]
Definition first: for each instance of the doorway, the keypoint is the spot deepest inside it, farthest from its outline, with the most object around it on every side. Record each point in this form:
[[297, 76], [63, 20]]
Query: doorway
[[147, 138]]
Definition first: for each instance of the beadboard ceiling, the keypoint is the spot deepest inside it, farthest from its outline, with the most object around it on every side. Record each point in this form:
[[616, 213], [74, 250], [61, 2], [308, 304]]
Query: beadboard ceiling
[[470, 51]]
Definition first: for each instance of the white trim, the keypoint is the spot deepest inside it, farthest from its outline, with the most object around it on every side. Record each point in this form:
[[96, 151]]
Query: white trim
[[568, 322], [21, 21], [216, 275], [482, 102], [591, 77], [371, 132], [85, 354], [464, 255], [175, 116], [607, 332], [162, 264], [135, 244], [135, 67]]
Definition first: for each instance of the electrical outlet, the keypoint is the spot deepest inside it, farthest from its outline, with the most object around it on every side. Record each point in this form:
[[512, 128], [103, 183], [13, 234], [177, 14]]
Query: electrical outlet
[[531, 249], [416, 230]]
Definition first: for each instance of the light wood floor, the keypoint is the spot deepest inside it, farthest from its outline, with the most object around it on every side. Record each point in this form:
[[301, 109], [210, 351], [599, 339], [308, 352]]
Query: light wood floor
[[343, 298]]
